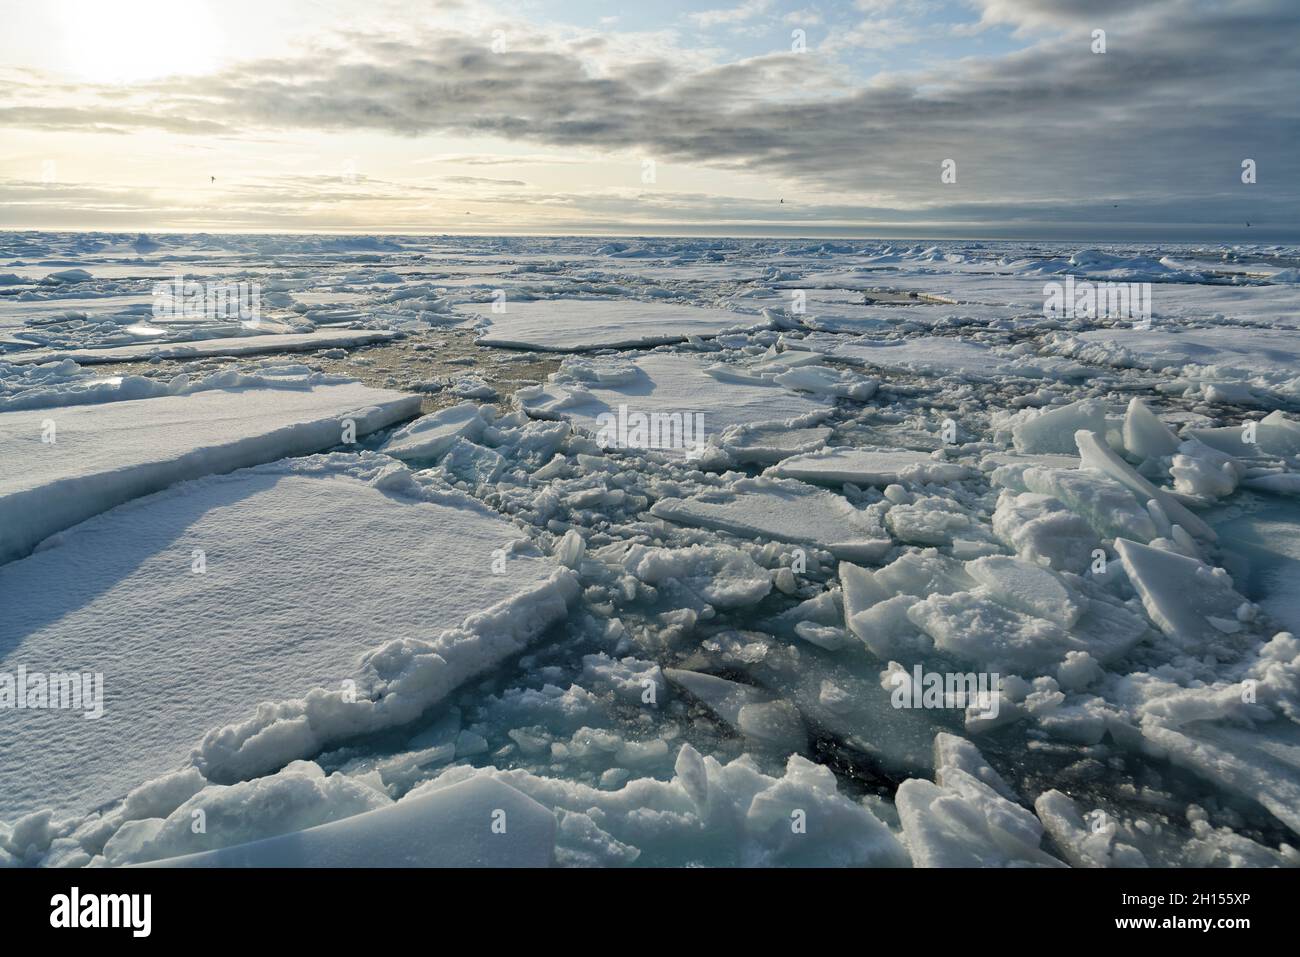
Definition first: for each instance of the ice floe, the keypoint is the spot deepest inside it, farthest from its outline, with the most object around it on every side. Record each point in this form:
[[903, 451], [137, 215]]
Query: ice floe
[[569, 325], [82, 460], [239, 346], [209, 596]]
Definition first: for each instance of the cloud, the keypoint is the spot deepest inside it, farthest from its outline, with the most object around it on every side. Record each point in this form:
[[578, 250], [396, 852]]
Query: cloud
[[1158, 124], [1068, 13], [482, 181], [730, 15]]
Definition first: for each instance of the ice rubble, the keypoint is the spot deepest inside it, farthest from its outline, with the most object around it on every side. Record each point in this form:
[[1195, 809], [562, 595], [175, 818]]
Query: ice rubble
[[570, 325], [82, 460], [279, 545]]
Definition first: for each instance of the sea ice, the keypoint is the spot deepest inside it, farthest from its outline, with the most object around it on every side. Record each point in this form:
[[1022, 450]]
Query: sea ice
[[566, 325], [237, 346], [835, 466], [481, 822], [671, 385], [79, 461], [218, 595], [783, 511]]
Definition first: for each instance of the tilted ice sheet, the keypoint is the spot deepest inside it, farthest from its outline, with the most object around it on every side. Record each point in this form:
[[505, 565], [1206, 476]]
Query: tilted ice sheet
[[563, 325], [302, 571], [103, 455], [1265, 542]]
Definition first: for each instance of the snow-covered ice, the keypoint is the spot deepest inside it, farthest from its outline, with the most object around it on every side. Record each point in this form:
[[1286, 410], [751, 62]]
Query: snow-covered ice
[[447, 827], [201, 602], [668, 385], [73, 463], [566, 325], [867, 467], [784, 511], [239, 346]]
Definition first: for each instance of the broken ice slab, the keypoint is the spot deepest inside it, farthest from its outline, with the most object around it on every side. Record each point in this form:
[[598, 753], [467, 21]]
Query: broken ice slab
[[482, 822], [766, 444], [429, 436], [1193, 603], [764, 719], [669, 385], [201, 602], [62, 466], [835, 466], [1260, 763], [967, 823], [784, 511], [195, 349], [571, 325], [1094, 453]]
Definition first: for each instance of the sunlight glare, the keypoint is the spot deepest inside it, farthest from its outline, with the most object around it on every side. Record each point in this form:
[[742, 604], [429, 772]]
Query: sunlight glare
[[133, 40]]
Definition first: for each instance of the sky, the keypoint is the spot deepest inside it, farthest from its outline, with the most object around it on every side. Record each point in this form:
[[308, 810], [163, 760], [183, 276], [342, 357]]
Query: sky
[[1052, 119]]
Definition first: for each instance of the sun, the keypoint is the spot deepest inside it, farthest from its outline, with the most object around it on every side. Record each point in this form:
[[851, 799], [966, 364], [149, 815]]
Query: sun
[[132, 40]]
